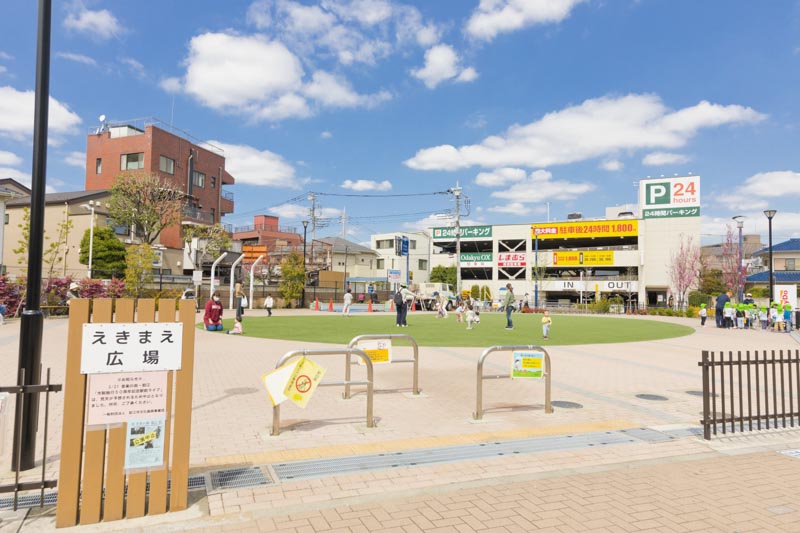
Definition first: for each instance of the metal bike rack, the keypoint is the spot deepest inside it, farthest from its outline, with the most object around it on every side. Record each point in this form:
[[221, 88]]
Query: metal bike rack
[[415, 360], [276, 410], [478, 414]]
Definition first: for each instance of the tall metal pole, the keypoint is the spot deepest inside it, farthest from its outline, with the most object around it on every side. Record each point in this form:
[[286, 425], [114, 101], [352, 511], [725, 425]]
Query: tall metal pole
[[457, 193], [536, 270], [30, 343], [739, 282], [303, 296], [91, 240], [770, 213]]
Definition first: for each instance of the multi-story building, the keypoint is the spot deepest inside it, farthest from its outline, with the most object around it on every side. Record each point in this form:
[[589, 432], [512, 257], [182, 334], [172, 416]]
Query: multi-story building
[[415, 267], [625, 253], [149, 146]]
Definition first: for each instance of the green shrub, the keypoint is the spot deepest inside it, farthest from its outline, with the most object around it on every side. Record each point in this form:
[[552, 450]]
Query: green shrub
[[603, 305], [692, 311], [696, 298]]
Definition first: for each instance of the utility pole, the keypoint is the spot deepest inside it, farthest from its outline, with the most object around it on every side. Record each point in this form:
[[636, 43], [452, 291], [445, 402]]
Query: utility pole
[[456, 191], [313, 216], [344, 222]]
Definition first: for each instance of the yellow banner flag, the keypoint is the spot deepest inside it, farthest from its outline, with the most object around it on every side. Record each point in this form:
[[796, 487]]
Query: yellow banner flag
[[303, 382]]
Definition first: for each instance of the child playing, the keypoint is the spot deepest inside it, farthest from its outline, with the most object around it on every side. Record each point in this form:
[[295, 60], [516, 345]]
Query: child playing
[[470, 316], [762, 316], [787, 317], [460, 311], [237, 327], [546, 322], [703, 315]]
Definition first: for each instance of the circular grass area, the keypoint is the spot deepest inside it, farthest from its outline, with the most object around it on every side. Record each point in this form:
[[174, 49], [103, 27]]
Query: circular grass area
[[428, 330]]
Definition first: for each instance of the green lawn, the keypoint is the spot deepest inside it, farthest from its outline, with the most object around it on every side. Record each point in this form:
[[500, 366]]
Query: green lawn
[[427, 330]]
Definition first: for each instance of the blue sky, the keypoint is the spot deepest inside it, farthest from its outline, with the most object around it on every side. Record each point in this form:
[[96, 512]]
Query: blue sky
[[524, 102]]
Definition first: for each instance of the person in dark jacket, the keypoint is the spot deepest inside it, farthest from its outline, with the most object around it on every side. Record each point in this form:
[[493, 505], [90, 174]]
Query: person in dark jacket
[[719, 308], [213, 315]]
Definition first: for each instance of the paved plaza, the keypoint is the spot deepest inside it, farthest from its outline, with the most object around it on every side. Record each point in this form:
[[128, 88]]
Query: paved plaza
[[604, 460]]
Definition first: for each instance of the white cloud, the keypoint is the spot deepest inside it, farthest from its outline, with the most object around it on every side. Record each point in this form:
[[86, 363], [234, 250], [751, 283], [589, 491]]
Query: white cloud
[[6, 56], [539, 187], [9, 158], [500, 177], [77, 58], [333, 91], [439, 220], [757, 190], [286, 106], [594, 128], [171, 85], [76, 159], [656, 159], [99, 25], [367, 185], [300, 212], [251, 166], [136, 68], [493, 17], [442, 63], [16, 115], [22, 177], [326, 135], [366, 12], [259, 14], [513, 208], [612, 165], [476, 121], [229, 71], [2, 69]]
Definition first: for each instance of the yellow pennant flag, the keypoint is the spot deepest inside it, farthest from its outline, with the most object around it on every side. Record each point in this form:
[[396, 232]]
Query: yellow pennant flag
[[303, 382]]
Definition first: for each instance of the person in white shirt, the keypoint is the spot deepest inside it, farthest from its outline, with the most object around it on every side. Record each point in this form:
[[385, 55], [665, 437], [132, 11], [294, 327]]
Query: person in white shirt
[[348, 301], [408, 299], [268, 303]]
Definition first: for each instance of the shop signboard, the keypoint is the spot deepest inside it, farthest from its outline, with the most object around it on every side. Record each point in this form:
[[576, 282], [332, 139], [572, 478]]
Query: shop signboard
[[584, 258], [511, 259], [786, 294], [670, 197], [467, 232], [584, 229], [476, 259], [108, 348]]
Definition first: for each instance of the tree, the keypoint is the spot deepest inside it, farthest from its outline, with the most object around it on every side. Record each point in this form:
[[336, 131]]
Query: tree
[[138, 269], [211, 240], [21, 250], [294, 275], [733, 273], [54, 255], [108, 252], [683, 268], [441, 274], [147, 202]]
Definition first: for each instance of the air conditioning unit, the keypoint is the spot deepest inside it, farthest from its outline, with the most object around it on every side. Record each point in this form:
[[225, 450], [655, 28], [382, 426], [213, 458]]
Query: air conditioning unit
[[128, 241]]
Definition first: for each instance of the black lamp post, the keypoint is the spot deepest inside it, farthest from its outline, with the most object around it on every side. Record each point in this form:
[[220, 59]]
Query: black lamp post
[[769, 214], [739, 282], [303, 298]]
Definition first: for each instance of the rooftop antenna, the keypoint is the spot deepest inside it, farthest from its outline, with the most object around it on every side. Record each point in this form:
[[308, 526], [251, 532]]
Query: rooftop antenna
[[103, 124]]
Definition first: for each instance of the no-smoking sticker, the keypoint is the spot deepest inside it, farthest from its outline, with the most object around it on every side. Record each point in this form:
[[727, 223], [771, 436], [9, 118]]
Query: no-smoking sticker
[[303, 382]]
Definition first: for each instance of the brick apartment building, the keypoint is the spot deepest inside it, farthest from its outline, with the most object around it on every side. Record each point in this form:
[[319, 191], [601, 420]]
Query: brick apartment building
[[145, 145]]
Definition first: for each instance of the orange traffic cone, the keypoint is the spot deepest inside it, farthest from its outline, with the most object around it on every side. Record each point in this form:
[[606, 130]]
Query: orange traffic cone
[[330, 306], [369, 306], [391, 306], [316, 304]]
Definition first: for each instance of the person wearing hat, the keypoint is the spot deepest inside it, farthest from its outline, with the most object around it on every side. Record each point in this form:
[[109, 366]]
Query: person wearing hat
[[408, 298], [703, 315], [72, 292], [748, 299]]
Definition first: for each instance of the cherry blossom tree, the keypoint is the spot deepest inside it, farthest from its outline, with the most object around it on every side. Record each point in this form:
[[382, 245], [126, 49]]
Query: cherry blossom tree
[[733, 273], [684, 268]]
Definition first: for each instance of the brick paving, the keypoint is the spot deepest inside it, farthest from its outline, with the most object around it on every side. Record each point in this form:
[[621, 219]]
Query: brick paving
[[733, 483]]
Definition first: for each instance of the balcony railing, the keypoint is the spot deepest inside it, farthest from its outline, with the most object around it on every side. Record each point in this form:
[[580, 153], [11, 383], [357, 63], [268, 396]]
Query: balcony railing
[[265, 227], [196, 214], [227, 195]]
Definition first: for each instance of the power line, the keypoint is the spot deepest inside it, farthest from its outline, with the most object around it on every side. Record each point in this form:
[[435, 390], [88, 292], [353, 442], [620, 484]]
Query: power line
[[379, 195]]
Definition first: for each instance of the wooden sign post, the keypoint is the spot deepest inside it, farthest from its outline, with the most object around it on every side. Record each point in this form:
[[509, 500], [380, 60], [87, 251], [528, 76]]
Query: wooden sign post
[[93, 475]]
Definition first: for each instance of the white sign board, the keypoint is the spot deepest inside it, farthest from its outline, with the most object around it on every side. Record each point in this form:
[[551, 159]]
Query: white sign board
[[393, 276], [511, 259], [117, 398], [144, 443], [786, 294], [131, 347], [379, 351], [670, 197], [197, 277]]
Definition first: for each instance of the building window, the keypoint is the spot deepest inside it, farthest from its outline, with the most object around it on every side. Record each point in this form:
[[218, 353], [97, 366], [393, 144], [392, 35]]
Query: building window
[[131, 161], [213, 182], [423, 264], [412, 244], [380, 264], [789, 264], [384, 244], [199, 179], [165, 164], [98, 165], [213, 215], [6, 221]]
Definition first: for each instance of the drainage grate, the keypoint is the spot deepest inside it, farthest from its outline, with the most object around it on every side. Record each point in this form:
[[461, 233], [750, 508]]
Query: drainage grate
[[448, 454], [237, 478], [26, 501], [566, 405], [652, 397]]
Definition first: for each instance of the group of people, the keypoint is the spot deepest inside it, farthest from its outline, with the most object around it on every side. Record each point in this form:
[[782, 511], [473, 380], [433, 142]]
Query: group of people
[[212, 315], [748, 315]]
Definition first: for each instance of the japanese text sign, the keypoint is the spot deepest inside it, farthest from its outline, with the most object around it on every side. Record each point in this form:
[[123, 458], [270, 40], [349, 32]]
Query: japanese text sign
[[588, 257], [303, 382], [144, 444], [131, 347], [670, 197], [585, 229], [511, 259], [467, 232], [476, 259], [526, 364], [379, 351], [116, 398]]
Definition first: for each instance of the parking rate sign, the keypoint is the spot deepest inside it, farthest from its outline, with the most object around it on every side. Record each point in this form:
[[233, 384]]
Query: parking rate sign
[[670, 197]]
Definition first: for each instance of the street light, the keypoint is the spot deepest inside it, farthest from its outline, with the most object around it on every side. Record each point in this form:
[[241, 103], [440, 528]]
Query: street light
[[769, 213], [536, 268], [303, 297], [739, 285], [90, 207]]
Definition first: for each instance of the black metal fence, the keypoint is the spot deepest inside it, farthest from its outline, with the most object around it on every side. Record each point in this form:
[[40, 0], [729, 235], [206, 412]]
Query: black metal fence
[[747, 392]]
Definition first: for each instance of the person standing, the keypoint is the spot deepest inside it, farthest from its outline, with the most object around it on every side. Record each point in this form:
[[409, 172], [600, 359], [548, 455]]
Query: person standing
[[399, 306], [212, 318], [238, 296], [268, 303], [719, 308], [408, 300], [508, 303], [703, 315], [348, 301], [546, 323]]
